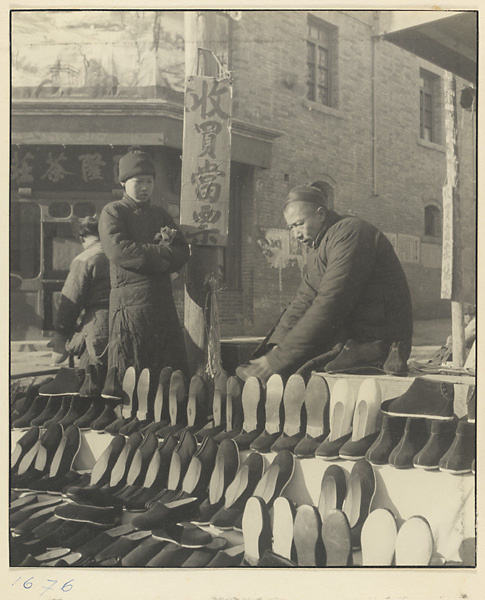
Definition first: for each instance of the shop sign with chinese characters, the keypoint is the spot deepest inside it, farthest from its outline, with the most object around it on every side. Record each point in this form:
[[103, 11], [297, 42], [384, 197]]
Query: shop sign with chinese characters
[[65, 168], [206, 161]]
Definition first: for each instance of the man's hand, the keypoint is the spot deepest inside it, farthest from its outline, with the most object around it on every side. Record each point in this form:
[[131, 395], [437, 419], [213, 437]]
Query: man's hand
[[165, 236], [259, 367], [58, 345]]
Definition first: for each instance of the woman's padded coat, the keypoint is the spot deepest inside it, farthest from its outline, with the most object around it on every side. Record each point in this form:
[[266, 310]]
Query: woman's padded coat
[[354, 288], [145, 331]]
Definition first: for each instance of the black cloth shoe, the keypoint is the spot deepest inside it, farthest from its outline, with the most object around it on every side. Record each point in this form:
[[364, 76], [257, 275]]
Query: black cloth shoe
[[51, 409], [67, 382], [90, 387], [37, 407], [360, 491], [425, 398], [23, 445], [359, 355], [89, 514], [77, 409], [94, 411], [161, 515], [61, 413], [397, 361], [459, 458], [107, 417], [415, 436], [66, 452], [439, 441], [391, 432], [112, 389]]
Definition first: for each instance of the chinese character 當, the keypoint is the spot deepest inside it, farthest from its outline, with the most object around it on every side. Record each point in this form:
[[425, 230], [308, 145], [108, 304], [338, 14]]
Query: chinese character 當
[[204, 180]]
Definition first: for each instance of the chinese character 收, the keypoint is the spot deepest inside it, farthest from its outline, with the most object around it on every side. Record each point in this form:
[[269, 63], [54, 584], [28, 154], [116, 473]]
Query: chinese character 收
[[206, 216], [56, 171], [21, 170], [91, 166], [212, 96], [209, 131], [204, 180]]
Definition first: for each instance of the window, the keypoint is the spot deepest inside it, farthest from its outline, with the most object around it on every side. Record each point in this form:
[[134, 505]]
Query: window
[[432, 221], [429, 107], [25, 239], [321, 62]]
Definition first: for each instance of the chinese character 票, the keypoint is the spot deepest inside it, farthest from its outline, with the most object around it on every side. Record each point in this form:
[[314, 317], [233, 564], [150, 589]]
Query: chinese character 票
[[21, 170], [204, 180], [206, 216], [214, 97], [91, 166], [56, 171], [209, 131]]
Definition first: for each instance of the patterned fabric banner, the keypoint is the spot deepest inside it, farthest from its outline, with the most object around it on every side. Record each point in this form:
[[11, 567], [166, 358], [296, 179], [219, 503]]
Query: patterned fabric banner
[[206, 161]]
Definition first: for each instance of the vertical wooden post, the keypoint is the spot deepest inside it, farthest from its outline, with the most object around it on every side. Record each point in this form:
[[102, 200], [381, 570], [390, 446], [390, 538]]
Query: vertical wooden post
[[200, 32], [452, 265]]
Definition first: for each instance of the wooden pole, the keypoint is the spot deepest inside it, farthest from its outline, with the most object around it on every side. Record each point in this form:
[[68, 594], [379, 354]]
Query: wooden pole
[[452, 264], [200, 32]]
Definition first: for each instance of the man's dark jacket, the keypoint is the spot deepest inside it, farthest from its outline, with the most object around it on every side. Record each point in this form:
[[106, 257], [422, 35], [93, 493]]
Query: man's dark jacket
[[355, 288], [144, 327]]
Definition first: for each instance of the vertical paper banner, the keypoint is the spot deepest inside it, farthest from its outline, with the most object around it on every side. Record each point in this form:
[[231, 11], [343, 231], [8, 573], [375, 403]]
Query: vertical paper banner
[[206, 161]]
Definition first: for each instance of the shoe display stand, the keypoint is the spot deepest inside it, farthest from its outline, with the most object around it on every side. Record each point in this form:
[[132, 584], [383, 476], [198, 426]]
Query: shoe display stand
[[446, 501]]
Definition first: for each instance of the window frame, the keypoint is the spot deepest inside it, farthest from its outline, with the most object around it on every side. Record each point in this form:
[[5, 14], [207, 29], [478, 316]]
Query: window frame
[[326, 41], [430, 107]]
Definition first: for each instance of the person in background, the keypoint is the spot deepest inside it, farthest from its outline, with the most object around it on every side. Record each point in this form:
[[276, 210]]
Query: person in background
[[353, 306], [144, 247], [81, 325]]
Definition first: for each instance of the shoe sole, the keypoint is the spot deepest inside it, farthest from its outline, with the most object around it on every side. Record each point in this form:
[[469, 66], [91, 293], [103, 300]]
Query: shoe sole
[[378, 538], [417, 416], [255, 528], [306, 534], [284, 517], [317, 403], [252, 396], [337, 539], [293, 398], [414, 543], [455, 471], [274, 396]]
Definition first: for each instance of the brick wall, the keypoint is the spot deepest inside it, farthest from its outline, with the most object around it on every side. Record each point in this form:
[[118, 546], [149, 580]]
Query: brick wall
[[336, 145]]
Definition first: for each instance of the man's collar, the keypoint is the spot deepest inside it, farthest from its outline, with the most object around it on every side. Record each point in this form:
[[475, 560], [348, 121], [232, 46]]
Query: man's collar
[[332, 218], [92, 242], [137, 205]]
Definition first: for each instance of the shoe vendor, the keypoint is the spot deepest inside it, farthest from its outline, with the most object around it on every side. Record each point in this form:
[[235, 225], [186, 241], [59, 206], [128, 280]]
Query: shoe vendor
[[81, 326], [144, 248], [353, 305]]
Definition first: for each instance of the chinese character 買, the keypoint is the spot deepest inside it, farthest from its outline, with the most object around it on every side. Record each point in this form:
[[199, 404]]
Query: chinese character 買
[[206, 216], [209, 131], [21, 170], [204, 180], [213, 96], [91, 166], [56, 171]]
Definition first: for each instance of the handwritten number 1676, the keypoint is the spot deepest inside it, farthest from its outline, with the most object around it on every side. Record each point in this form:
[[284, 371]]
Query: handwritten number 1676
[[27, 584]]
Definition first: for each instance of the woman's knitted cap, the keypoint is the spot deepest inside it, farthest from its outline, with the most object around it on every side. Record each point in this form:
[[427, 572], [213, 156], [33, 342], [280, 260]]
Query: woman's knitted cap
[[135, 162]]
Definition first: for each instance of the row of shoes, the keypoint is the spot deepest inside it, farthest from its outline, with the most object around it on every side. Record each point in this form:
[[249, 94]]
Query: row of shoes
[[299, 537]]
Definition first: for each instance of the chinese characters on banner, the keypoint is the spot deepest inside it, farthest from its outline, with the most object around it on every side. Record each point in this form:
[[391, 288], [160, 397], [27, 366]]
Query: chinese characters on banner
[[206, 163]]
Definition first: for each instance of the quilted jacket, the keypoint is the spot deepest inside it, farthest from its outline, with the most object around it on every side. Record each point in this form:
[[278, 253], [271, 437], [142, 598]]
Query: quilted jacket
[[354, 288]]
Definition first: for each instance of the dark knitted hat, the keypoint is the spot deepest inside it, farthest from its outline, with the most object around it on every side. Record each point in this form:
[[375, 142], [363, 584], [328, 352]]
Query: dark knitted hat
[[306, 193], [135, 162]]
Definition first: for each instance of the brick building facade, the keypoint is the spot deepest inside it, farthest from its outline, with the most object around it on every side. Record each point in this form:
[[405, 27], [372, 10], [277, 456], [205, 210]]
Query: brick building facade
[[317, 98]]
